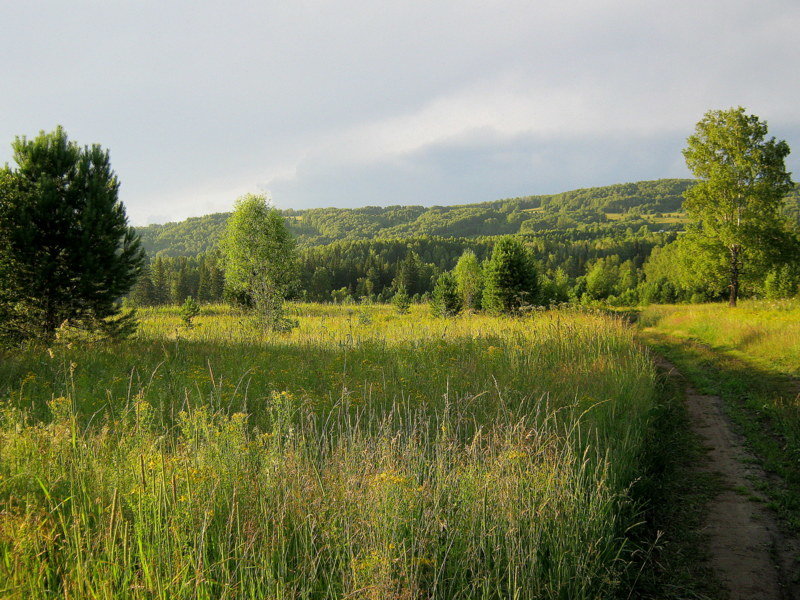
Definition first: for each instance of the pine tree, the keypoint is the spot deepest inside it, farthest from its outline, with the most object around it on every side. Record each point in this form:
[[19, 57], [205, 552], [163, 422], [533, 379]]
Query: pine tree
[[69, 253], [446, 301], [510, 277], [401, 301]]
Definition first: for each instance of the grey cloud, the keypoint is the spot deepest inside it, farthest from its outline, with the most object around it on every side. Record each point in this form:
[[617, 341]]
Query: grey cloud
[[485, 168]]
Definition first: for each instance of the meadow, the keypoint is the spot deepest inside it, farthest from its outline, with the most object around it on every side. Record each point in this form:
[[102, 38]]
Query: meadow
[[363, 454]]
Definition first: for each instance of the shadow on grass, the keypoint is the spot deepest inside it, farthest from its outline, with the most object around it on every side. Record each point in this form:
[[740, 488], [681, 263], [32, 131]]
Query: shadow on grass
[[674, 495], [762, 404]]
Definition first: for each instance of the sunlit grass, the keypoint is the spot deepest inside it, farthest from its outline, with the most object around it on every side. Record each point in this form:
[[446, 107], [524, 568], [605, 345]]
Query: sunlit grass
[[749, 356], [363, 454], [767, 332]]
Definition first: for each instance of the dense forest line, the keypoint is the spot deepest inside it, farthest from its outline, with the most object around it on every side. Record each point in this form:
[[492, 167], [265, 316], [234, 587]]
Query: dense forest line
[[612, 254], [591, 244]]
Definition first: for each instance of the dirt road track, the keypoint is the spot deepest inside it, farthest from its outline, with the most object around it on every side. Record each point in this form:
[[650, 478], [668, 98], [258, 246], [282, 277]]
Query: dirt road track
[[750, 554]]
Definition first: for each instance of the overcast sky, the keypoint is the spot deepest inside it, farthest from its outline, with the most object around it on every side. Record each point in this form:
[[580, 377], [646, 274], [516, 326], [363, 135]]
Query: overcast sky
[[374, 103]]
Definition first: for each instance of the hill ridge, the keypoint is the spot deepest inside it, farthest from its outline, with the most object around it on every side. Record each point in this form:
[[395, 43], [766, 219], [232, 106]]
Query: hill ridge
[[523, 214]]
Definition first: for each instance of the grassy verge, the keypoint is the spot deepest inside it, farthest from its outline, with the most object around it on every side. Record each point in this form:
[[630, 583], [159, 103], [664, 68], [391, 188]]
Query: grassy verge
[[759, 394]]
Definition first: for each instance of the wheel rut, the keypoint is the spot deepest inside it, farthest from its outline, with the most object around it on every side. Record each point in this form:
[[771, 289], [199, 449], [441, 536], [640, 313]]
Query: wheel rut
[[749, 553]]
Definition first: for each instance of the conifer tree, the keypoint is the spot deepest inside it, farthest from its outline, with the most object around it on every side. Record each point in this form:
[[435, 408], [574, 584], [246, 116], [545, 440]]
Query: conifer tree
[[510, 277], [68, 252], [446, 302]]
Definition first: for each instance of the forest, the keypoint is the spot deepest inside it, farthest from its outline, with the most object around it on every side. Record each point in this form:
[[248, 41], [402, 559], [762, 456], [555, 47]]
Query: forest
[[590, 245]]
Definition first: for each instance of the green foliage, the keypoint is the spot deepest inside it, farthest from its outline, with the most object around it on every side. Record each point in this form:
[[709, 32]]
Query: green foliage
[[555, 287], [336, 263], [411, 274], [602, 278], [67, 253], [469, 280], [341, 296], [446, 301], [782, 281], [736, 207], [673, 273], [529, 215], [260, 259], [189, 311], [401, 301], [510, 277], [170, 280]]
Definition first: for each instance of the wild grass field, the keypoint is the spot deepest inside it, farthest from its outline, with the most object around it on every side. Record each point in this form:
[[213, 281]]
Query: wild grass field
[[364, 454]]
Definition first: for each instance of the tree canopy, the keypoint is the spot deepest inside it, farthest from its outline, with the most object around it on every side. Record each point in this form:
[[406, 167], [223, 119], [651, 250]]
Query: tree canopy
[[510, 277], [260, 257]]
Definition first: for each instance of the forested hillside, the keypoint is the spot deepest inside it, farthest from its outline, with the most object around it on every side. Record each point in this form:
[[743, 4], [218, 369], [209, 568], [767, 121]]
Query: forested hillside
[[590, 244], [529, 214]]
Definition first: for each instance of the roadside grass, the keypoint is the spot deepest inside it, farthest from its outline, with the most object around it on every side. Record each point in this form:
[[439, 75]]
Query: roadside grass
[[764, 332], [717, 351], [361, 455], [675, 494]]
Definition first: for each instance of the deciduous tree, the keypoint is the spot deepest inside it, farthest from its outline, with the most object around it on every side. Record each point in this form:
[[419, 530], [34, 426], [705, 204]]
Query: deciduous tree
[[735, 207], [260, 258], [469, 280]]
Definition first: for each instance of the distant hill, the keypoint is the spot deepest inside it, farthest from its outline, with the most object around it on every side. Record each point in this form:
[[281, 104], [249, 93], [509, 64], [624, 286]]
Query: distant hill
[[528, 214]]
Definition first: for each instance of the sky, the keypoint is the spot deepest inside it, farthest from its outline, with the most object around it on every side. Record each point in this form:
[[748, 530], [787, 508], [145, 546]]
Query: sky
[[354, 103]]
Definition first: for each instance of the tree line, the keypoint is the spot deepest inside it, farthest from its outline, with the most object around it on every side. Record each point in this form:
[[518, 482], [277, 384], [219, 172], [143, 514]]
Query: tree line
[[605, 265]]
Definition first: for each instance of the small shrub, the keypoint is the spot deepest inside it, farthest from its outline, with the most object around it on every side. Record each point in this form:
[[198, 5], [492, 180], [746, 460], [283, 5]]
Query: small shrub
[[401, 301], [189, 311]]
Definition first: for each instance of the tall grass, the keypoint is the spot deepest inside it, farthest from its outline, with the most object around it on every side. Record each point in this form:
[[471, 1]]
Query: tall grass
[[362, 455]]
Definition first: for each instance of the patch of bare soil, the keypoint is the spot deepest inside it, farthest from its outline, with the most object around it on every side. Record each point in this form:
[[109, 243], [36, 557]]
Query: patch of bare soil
[[749, 553]]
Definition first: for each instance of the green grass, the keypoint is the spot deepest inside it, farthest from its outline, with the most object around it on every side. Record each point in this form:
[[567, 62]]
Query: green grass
[[766, 333], [674, 493], [361, 455], [744, 355], [665, 218]]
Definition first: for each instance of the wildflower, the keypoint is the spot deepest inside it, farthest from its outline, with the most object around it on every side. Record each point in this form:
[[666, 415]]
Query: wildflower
[[389, 478], [513, 455]]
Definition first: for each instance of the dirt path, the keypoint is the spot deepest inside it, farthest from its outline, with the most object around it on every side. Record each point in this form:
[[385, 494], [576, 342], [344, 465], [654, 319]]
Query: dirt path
[[749, 554]]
